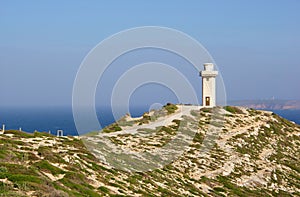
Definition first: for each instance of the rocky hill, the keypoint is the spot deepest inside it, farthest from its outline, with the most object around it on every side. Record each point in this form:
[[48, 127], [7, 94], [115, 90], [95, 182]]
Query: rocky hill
[[230, 151]]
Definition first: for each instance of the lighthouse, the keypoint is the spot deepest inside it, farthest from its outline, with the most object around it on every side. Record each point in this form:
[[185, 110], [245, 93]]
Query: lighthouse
[[208, 85]]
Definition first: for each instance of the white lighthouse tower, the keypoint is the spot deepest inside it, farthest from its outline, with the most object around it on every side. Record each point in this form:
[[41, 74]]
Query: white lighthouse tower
[[208, 85]]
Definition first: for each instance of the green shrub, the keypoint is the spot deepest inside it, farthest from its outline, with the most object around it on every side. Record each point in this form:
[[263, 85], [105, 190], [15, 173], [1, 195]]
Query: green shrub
[[117, 128], [18, 178], [18, 133], [195, 113], [219, 189], [42, 134], [104, 189], [233, 110], [206, 110], [112, 128], [216, 123], [171, 108], [18, 169], [48, 154], [198, 137], [83, 188], [3, 169], [167, 130], [46, 166]]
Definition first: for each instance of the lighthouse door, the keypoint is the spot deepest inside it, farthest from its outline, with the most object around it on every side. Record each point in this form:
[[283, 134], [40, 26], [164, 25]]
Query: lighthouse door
[[207, 101]]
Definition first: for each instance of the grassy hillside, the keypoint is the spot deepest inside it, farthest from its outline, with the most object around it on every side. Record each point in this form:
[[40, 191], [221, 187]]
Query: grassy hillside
[[256, 153]]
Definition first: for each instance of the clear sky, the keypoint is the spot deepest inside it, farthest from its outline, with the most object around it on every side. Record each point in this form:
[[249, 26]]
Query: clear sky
[[255, 43]]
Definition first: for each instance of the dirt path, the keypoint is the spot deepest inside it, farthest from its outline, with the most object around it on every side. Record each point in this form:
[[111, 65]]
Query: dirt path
[[162, 121]]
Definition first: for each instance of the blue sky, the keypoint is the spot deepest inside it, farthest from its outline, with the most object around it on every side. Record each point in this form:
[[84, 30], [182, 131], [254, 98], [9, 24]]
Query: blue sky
[[256, 44]]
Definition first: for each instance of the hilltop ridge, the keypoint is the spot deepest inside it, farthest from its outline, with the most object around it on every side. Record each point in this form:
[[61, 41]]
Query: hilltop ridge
[[254, 153]]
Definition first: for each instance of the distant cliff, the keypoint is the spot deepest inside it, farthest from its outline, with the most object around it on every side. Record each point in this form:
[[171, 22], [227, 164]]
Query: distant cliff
[[268, 104]]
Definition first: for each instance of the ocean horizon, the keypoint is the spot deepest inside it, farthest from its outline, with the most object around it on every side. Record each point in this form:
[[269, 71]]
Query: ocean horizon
[[61, 118]]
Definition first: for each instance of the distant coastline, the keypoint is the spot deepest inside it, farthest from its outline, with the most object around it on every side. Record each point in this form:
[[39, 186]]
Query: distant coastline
[[268, 104]]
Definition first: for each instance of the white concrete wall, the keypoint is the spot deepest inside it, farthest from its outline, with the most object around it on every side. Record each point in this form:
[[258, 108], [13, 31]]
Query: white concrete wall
[[209, 90], [209, 84], [208, 67], [3, 129]]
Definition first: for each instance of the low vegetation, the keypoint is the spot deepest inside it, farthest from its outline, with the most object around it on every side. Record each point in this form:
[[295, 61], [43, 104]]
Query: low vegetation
[[171, 108], [233, 110], [254, 153]]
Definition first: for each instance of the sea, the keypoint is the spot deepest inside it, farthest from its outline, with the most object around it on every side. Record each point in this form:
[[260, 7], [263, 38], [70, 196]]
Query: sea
[[61, 118], [51, 119]]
